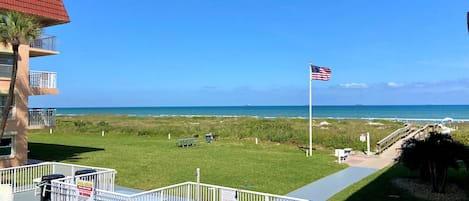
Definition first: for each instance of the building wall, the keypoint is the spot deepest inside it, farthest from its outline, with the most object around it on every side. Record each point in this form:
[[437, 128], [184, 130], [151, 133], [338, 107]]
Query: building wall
[[48, 13], [20, 123]]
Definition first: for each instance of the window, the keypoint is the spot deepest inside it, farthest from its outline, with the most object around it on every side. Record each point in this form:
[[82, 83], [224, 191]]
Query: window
[[7, 147], [6, 64], [3, 102]]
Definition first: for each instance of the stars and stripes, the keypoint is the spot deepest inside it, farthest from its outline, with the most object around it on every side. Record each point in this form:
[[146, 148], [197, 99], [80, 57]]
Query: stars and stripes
[[320, 73]]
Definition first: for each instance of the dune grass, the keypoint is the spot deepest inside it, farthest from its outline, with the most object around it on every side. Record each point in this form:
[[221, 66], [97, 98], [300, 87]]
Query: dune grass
[[339, 134]]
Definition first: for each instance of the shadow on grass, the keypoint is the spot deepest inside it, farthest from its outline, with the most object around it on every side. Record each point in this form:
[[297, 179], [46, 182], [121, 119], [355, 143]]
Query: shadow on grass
[[378, 186], [56, 152]]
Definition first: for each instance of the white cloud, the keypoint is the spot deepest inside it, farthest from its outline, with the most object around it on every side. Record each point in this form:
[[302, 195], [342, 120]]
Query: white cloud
[[393, 84], [354, 85]]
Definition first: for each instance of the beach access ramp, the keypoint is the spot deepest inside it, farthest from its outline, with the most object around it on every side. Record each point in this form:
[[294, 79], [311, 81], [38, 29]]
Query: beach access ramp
[[394, 137]]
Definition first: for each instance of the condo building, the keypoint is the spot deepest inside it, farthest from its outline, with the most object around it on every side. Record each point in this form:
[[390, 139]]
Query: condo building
[[30, 81]]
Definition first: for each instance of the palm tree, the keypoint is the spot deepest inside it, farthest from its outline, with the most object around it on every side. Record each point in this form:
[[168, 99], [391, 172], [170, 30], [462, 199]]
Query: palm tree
[[15, 29], [433, 156]]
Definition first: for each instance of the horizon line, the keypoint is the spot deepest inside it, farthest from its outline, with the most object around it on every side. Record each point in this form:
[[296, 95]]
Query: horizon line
[[325, 105]]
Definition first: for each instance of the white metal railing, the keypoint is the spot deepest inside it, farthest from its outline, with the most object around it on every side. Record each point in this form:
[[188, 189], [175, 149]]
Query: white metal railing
[[38, 117], [22, 178], [43, 79], [103, 180], [188, 191]]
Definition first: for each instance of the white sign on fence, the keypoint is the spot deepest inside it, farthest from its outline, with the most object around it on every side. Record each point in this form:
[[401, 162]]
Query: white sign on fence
[[228, 195], [85, 190]]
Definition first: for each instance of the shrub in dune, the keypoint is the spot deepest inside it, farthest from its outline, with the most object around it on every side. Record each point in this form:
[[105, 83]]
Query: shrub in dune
[[433, 156]]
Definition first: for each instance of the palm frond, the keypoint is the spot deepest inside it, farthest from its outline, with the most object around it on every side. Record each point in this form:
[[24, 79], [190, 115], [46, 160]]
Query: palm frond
[[17, 28]]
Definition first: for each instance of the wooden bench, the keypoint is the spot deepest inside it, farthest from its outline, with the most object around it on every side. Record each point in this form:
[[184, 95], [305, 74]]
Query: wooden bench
[[186, 142]]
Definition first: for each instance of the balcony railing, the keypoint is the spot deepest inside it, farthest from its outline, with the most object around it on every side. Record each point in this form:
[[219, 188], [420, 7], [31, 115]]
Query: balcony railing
[[42, 79], [39, 117], [45, 42]]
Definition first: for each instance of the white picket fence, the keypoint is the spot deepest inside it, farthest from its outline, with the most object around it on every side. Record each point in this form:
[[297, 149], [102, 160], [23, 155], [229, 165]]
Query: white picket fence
[[188, 191], [24, 178]]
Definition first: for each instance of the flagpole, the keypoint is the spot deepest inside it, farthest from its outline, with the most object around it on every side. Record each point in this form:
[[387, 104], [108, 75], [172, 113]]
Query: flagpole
[[310, 115]]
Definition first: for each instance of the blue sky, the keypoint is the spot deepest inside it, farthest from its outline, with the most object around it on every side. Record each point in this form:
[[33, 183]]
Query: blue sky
[[204, 53]]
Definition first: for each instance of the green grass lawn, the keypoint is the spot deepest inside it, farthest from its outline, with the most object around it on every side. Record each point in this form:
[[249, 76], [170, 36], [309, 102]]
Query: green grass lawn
[[147, 162], [138, 148]]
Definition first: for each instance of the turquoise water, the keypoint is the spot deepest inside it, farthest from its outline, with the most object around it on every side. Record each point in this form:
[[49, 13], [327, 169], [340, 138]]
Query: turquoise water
[[457, 112]]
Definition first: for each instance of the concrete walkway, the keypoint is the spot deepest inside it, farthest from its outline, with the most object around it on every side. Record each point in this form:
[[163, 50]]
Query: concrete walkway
[[328, 186], [360, 167]]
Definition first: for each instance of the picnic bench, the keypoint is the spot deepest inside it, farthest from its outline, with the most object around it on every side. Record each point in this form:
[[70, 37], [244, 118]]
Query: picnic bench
[[186, 142], [304, 148]]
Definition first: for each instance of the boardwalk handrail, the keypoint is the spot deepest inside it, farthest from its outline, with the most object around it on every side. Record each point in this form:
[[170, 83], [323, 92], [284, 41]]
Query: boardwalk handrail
[[423, 132], [392, 138]]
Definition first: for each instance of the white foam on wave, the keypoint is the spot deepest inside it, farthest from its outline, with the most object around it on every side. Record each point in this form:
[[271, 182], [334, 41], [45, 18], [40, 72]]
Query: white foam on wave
[[276, 117]]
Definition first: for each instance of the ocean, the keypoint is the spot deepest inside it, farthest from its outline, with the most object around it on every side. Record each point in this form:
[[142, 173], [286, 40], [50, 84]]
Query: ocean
[[401, 112]]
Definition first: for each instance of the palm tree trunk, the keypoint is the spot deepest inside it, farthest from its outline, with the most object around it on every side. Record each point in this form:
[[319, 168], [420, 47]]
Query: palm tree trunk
[[438, 176], [11, 91], [441, 179]]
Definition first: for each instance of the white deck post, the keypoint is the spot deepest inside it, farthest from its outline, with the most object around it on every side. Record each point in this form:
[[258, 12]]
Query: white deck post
[[198, 185], [368, 143], [189, 192]]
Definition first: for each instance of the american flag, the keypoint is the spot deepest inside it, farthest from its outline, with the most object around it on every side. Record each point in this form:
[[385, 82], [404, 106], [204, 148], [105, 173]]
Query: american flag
[[320, 73]]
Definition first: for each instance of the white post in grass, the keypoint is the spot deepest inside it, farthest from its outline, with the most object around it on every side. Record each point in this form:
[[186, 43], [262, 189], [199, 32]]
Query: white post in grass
[[169, 136], [257, 141], [310, 115], [367, 143], [102, 133], [50, 130]]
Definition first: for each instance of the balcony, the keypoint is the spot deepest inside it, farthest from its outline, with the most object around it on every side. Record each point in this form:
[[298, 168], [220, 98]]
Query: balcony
[[43, 46], [42, 79], [41, 118], [43, 82]]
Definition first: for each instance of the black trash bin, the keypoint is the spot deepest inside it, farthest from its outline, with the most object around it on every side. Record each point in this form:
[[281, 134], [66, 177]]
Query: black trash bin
[[85, 171], [46, 185], [208, 137]]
